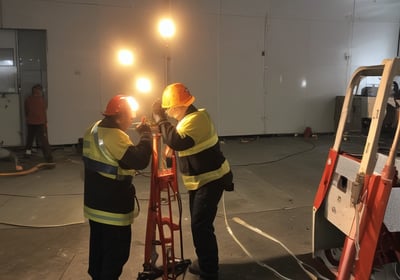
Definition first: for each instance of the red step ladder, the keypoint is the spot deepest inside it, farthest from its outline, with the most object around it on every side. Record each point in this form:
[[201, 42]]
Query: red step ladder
[[164, 228]]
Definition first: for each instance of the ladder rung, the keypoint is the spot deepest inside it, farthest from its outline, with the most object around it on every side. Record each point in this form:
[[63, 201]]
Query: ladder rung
[[165, 173], [167, 240], [167, 221]]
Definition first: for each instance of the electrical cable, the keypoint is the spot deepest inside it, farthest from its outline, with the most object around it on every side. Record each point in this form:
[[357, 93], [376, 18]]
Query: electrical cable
[[245, 250], [37, 167], [41, 226], [40, 196], [279, 159], [301, 263]]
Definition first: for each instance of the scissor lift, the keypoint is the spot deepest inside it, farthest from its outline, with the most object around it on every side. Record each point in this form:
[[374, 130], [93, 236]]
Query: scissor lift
[[356, 211], [164, 228]]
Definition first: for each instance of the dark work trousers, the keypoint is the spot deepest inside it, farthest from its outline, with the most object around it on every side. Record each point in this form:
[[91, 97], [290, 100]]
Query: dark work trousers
[[39, 132], [203, 204], [109, 249]]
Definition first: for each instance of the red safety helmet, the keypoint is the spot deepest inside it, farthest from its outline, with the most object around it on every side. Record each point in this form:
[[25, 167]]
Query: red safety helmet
[[119, 103]]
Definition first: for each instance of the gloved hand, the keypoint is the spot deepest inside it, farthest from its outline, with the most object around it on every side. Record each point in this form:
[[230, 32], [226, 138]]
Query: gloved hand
[[143, 127], [159, 113]]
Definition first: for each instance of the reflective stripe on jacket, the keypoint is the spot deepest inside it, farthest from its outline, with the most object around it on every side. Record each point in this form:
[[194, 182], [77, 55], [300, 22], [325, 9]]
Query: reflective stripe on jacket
[[109, 193], [104, 217], [97, 158], [204, 162]]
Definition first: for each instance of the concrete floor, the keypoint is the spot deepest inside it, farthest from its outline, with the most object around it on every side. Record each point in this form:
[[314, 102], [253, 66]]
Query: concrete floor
[[275, 182]]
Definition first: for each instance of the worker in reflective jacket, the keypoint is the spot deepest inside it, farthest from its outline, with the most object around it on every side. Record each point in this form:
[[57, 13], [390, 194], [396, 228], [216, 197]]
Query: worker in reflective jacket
[[205, 171], [110, 160]]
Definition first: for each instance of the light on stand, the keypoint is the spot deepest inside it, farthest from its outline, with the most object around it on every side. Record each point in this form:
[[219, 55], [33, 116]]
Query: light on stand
[[125, 57], [143, 85], [166, 28]]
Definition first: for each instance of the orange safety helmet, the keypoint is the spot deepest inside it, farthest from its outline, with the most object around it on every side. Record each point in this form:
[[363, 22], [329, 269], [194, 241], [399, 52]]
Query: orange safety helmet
[[175, 95], [119, 103]]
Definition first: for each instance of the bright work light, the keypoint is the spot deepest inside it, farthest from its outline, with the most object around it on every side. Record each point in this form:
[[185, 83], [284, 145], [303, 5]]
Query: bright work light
[[125, 57], [166, 27]]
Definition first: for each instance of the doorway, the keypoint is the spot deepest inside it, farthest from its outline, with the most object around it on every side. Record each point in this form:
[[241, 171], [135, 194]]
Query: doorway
[[23, 63]]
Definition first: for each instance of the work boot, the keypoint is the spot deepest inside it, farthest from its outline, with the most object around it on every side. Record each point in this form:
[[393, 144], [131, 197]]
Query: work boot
[[194, 268]]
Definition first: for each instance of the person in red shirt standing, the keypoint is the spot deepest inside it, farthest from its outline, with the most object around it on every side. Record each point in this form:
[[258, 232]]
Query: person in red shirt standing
[[36, 120]]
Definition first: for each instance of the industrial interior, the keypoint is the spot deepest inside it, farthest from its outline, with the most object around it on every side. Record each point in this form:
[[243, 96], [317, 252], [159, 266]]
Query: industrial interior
[[304, 96]]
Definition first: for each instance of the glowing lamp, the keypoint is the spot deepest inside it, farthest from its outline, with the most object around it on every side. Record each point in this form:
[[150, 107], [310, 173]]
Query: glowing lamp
[[125, 57], [166, 27], [143, 85]]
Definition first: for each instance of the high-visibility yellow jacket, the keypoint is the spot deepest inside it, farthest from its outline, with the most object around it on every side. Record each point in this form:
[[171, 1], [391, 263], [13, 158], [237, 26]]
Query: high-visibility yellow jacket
[[109, 192], [203, 162]]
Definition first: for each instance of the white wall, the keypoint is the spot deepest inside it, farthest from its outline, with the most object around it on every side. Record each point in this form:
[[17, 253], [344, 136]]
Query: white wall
[[217, 52]]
